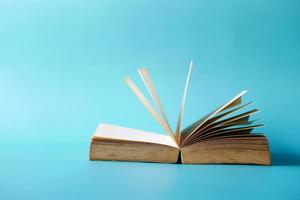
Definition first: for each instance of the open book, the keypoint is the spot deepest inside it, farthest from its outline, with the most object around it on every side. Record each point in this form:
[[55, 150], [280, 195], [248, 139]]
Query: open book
[[222, 136]]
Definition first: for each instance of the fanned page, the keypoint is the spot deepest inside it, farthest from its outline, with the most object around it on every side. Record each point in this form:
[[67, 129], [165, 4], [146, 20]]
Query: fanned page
[[188, 132], [149, 107], [160, 118], [108, 131], [217, 125], [145, 75], [246, 130], [181, 112]]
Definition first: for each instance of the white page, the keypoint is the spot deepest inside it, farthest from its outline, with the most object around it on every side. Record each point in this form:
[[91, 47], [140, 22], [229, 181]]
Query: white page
[[122, 133]]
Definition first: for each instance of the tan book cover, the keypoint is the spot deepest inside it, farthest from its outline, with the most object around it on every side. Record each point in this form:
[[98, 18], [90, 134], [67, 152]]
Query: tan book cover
[[220, 137]]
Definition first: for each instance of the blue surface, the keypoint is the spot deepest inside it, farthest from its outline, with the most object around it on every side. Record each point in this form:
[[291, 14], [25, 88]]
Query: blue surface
[[62, 65]]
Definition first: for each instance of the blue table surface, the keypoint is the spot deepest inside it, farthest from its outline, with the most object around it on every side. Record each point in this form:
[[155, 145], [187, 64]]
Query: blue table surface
[[62, 65]]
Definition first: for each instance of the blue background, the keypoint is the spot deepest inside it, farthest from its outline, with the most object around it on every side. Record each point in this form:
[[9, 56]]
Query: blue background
[[62, 65]]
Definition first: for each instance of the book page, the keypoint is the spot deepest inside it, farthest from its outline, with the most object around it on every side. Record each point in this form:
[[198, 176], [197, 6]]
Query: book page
[[122, 133], [149, 107], [233, 104], [245, 129], [214, 124], [241, 118], [180, 116], [186, 136], [145, 75], [217, 117]]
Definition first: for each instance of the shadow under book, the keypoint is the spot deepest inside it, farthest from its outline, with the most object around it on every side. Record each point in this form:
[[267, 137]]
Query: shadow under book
[[220, 137]]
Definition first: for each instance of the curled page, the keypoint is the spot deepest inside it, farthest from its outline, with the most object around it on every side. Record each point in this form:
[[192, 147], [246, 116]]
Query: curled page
[[145, 75], [180, 116], [149, 107], [199, 123]]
